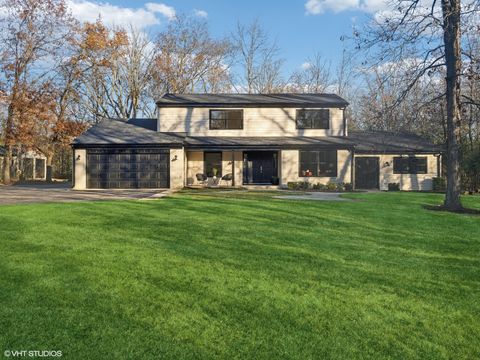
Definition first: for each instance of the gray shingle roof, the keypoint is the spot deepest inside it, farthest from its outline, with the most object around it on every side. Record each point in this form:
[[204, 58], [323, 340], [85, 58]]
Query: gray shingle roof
[[385, 142], [266, 142], [142, 132], [252, 100], [121, 132]]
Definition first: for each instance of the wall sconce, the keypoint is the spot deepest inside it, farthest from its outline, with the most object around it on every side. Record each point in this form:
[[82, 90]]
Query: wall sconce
[[78, 158], [175, 158], [386, 164]]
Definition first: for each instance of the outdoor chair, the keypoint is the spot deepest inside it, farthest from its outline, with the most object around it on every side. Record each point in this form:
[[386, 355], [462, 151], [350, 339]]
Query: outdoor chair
[[201, 178], [227, 178]]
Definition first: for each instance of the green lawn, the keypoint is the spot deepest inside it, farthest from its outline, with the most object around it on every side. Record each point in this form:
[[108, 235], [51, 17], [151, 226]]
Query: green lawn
[[241, 275]]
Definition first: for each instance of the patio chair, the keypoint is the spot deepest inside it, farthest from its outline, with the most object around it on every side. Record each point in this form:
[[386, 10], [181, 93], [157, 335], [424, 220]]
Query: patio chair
[[227, 178], [201, 178]]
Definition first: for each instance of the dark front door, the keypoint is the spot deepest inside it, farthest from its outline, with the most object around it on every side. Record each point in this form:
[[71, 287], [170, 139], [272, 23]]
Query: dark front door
[[259, 167], [367, 172], [127, 168]]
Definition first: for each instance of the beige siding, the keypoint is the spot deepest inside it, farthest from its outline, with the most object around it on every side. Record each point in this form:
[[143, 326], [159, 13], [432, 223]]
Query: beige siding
[[80, 169], [289, 166], [195, 166], [407, 181], [256, 122], [177, 168]]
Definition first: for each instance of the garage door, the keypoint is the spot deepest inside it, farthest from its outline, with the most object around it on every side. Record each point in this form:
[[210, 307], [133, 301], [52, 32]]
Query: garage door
[[128, 168]]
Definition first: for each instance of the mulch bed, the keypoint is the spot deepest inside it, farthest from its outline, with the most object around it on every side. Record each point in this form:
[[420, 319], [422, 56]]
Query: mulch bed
[[465, 211]]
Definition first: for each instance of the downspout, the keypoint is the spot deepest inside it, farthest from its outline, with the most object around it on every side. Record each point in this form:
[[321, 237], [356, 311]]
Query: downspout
[[233, 168], [345, 132], [73, 167], [352, 168]]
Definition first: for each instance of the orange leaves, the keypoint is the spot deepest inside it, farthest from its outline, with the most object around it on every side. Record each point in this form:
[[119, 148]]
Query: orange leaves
[[100, 45]]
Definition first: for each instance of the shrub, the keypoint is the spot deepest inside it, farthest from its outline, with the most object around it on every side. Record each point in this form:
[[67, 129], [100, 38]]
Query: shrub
[[331, 186], [340, 186], [393, 187], [348, 187], [439, 184], [298, 185]]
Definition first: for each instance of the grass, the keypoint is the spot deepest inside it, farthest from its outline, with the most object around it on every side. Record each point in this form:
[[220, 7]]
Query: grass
[[239, 275]]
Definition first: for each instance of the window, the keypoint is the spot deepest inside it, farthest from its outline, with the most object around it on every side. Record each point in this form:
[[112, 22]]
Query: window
[[318, 163], [410, 165], [226, 119], [313, 119], [213, 164]]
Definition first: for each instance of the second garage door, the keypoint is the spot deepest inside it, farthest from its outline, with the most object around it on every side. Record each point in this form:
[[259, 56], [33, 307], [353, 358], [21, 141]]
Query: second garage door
[[125, 168]]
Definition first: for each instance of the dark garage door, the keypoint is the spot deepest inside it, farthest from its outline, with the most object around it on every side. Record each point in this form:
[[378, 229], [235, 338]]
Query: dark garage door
[[128, 168], [367, 172]]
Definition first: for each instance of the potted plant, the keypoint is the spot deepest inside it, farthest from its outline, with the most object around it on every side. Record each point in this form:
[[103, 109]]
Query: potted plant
[[275, 180]]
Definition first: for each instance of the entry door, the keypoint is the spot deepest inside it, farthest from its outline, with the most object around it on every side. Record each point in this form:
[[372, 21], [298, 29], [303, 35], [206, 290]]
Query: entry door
[[367, 172], [260, 167]]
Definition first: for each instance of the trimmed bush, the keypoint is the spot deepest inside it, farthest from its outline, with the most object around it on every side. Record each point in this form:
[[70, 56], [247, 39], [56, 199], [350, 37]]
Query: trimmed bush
[[393, 187], [439, 184], [298, 185], [331, 186], [348, 187]]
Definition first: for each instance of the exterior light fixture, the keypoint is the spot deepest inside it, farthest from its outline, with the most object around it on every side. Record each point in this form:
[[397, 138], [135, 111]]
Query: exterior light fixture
[[386, 164], [175, 158], [78, 157]]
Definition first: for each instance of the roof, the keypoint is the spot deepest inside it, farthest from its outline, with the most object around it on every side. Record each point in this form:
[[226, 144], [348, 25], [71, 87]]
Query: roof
[[142, 132], [272, 143], [121, 132], [391, 142], [251, 100]]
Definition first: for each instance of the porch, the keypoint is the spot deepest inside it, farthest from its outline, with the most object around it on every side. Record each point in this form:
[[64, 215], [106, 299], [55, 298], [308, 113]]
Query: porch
[[260, 168], [232, 168]]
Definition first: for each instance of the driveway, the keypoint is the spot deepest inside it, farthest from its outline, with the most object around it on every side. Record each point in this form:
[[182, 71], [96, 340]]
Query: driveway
[[38, 193]]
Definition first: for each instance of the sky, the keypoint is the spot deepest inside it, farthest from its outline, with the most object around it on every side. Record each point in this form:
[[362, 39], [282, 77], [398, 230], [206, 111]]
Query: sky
[[301, 28]]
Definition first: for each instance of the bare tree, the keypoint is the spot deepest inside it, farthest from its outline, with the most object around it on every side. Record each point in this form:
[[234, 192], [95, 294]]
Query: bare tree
[[429, 32], [258, 59], [188, 59], [314, 77]]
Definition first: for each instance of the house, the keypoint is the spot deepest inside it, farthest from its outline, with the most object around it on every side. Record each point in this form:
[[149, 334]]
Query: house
[[28, 165], [249, 140]]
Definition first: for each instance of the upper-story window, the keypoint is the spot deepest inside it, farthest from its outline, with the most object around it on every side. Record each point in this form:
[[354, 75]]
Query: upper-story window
[[226, 119], [313, 119]]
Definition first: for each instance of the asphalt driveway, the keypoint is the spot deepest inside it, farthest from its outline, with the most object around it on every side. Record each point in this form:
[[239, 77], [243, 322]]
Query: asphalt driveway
[[62, 192]]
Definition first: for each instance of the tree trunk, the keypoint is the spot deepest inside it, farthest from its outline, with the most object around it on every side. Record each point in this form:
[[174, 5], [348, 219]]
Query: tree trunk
[[49, 174], [451, 38], [7, 161]]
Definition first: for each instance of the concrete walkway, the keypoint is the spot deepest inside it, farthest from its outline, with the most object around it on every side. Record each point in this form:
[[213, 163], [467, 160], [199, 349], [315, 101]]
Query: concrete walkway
[[40, 193], [319, 196]]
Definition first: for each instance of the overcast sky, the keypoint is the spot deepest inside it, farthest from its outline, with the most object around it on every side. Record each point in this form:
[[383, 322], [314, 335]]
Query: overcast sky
[[300, 27]]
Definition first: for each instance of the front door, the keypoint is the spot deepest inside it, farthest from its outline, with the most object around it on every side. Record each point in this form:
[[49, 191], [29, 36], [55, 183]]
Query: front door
[[367, 172], [259, 167]]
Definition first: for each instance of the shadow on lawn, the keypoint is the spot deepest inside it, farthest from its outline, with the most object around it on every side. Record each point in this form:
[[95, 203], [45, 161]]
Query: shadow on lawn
[[464, 211]]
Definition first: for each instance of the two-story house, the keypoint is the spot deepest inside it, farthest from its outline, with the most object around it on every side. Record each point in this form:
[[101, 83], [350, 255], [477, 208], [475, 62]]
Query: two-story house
[[246, 140]]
